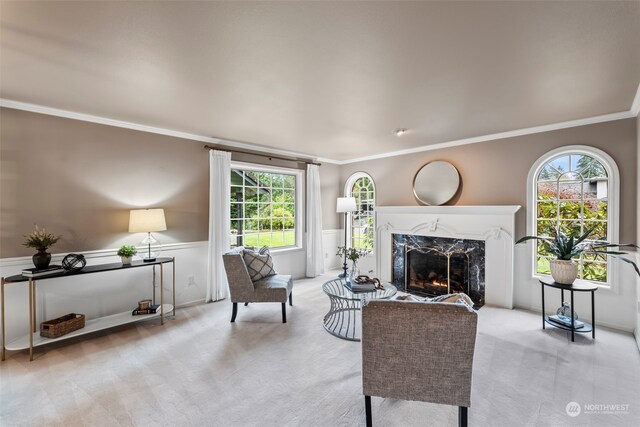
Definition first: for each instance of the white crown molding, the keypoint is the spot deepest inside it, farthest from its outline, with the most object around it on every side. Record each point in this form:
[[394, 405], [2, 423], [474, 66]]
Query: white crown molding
[[17, 105], [500, 135], [633, 111]]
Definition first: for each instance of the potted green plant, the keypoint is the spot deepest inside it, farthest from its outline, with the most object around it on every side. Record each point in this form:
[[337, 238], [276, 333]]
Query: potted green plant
[[126, 252], [40, 240], [565, 248]]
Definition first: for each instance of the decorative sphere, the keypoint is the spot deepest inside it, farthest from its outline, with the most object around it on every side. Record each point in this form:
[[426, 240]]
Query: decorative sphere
[[74, 262]]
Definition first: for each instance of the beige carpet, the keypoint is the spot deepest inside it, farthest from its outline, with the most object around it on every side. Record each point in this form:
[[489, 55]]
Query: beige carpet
[[201, 370]]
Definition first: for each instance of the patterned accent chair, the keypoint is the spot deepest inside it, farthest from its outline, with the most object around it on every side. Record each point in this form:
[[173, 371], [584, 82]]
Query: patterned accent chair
[[418, 351], [277, 288]]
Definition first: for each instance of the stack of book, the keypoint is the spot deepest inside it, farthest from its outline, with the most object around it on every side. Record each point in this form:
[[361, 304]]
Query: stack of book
[[566, 321], [360, 287], [151, 310], [52, 270]]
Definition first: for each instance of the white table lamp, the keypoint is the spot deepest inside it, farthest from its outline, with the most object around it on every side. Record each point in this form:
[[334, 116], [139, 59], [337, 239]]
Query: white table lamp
[[147, 221]]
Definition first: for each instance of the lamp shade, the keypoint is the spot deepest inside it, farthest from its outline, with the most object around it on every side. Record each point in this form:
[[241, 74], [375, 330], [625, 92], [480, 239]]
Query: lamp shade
[[346, 204], [146, 220]]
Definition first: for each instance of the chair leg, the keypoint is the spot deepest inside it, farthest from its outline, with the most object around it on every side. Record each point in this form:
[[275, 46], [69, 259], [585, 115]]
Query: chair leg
[[234, 312], [284, 312], [367, 410], [463, 416], [291, 298], [246, 304]]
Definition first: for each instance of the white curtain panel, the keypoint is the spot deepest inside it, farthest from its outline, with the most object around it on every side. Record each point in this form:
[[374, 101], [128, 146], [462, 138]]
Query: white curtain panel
[[219, 223], [315, 259]]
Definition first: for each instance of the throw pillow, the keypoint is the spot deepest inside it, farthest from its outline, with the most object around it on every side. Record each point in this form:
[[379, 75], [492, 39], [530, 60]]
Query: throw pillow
[[259, 264], [453, 298], [236, 250], [460, 298]]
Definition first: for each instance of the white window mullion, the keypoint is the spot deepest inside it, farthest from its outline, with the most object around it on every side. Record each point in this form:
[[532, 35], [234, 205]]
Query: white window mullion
[[564, 158]]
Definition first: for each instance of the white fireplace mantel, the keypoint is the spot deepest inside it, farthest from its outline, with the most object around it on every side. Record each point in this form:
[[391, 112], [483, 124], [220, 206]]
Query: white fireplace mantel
[[493, 224], [450, 210]]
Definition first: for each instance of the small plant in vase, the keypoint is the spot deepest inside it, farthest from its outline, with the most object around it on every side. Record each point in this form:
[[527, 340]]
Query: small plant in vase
[[40, 240], [126, 252], [352, 254], [565, 248]]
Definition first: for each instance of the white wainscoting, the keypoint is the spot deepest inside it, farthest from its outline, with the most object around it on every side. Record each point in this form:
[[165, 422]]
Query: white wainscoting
[[331, 239], [636, 332], [102, 294]]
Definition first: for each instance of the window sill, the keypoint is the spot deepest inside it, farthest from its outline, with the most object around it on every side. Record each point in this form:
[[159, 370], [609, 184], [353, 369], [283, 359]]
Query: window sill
[[284, 250]]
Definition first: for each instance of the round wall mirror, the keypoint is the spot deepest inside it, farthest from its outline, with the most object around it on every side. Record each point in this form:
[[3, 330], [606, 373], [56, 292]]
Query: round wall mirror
[[436, 183]]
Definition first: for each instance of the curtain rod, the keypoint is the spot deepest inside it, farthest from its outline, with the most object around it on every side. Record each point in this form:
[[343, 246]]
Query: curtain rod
[[289, 159]]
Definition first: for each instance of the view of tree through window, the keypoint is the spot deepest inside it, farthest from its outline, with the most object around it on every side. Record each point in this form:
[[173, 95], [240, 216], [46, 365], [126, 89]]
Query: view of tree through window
[[362, 220], [572, 195], [263, 209]]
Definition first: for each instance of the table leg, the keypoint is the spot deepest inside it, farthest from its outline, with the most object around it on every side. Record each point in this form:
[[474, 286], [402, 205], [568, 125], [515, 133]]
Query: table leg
[[593, 315], [154, 284], [3, 331], [561, 297], [161, 295], [542, 287], [34, 306], [31, 326], [573, 325]]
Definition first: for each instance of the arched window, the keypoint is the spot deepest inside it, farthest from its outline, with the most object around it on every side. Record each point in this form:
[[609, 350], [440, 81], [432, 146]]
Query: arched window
[[361, 228], [574, 189]]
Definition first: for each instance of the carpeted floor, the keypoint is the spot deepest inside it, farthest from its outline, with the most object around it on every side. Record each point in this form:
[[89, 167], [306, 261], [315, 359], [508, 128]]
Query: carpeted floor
[[201, 370]]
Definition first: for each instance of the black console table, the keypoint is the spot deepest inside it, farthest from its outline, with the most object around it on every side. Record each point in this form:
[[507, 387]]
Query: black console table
[[33, 339], [571, 288]]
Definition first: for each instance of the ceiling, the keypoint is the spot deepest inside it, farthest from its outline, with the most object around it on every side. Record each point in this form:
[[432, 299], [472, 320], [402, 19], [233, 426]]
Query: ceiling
[[328, 79]]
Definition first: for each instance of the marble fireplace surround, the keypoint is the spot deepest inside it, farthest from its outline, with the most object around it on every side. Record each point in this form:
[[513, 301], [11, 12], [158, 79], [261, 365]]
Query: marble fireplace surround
[[493, 224]]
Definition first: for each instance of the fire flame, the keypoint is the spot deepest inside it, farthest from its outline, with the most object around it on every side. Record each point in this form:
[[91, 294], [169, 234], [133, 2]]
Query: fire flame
[[441, 284]]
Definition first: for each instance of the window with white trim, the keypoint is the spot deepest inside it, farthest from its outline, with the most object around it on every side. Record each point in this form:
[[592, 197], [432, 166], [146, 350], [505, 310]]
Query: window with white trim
[[265, 206], [361, 229], [574, 189]]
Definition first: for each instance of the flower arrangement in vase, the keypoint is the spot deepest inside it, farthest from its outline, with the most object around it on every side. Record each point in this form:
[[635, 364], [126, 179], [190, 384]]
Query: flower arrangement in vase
[[353, 254], [40, 240]]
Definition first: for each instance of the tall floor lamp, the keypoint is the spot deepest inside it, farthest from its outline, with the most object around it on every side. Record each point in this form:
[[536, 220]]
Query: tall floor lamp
[[345, 205]]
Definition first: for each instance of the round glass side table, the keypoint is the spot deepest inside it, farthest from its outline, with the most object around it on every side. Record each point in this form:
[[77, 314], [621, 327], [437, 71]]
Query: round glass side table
[[344, 319]]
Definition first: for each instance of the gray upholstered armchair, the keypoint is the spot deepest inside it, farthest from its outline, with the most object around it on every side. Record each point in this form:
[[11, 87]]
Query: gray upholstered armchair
[[275, 288], [418, 351]]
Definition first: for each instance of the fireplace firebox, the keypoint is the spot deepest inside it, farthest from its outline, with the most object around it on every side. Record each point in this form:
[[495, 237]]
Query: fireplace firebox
[[432, 266]]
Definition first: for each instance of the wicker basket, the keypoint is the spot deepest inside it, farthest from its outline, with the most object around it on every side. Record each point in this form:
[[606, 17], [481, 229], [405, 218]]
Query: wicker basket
[[62, 325]]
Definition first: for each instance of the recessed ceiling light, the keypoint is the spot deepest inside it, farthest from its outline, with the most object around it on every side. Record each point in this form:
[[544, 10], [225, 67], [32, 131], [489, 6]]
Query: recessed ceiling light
[[400, 132]]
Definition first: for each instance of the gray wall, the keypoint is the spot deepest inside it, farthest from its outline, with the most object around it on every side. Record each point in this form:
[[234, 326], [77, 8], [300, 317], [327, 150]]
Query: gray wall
[[331, 190], [495, 172], [80, 179]]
